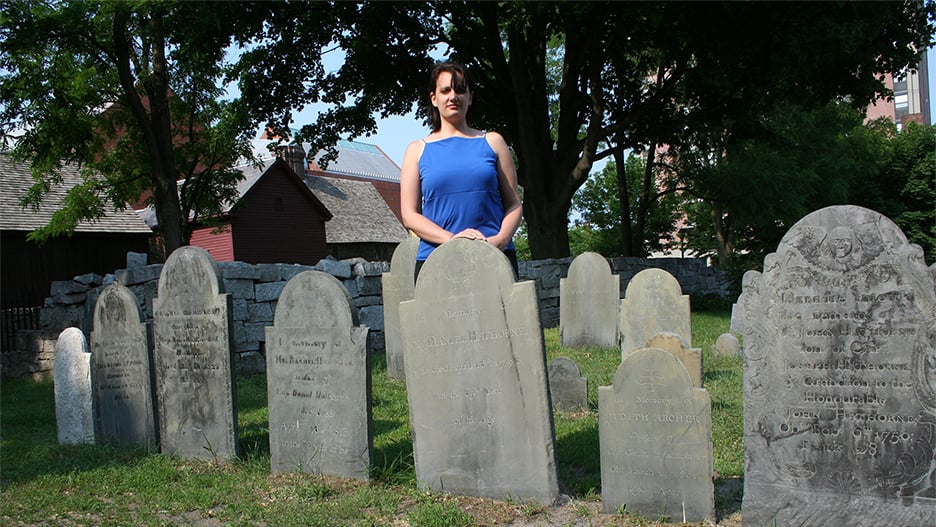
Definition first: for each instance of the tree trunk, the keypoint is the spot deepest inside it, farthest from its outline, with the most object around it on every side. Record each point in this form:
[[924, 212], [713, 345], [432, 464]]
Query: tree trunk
[[155, 125], [723, 237], [627, 233]]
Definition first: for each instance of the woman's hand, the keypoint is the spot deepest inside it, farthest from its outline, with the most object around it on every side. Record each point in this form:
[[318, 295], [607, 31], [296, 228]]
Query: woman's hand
[[471, 234]]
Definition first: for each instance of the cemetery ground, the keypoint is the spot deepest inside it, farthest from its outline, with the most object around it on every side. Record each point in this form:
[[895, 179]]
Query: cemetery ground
[[43, 483]]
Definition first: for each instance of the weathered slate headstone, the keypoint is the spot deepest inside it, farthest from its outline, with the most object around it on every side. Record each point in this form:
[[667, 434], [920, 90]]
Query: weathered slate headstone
[[840, 377], [318, 387], [567, 387], [655, 437], [727, 345], [398, 286], [123, 384], [691, 358], [476, 378], [71, 375], [192, 317], [588, 303], [653, 302]]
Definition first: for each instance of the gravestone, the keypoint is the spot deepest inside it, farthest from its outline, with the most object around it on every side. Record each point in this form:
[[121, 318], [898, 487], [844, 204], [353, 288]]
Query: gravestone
[[476, 378], [691, 358], [653, 302], [318, 387], [192, 318], [123, 384], [567, 387], [398, 285], [655, 440], [727, 345], [71, 375], [840, 377], [588, 303]]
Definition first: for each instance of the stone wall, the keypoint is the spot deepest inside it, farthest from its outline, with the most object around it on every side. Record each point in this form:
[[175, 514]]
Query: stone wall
[[695, 277], [256, 288]]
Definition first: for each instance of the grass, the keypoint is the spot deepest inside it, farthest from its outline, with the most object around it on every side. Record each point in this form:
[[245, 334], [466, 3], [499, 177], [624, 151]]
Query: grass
[[43, 483]]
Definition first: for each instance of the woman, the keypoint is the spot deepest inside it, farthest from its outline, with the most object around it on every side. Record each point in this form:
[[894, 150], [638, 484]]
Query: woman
[[458, 182]]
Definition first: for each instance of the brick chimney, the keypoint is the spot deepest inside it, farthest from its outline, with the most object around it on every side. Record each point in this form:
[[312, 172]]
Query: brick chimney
[[295, 157]]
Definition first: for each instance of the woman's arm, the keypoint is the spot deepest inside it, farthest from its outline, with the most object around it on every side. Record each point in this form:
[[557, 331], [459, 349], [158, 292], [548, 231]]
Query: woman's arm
[[510, 196]]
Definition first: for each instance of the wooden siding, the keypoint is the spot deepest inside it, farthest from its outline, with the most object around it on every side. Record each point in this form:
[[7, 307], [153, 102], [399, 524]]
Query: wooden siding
[[277, 222], [28, 270], [216, 240]]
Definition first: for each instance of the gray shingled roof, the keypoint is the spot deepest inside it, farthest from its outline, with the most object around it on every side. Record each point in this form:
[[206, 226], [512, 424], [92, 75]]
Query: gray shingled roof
[[359, 213], [15, 180], [355, 158]]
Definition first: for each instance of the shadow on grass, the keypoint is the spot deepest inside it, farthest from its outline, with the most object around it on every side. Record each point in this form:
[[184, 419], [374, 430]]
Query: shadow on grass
[[29, 446], [579, 468]]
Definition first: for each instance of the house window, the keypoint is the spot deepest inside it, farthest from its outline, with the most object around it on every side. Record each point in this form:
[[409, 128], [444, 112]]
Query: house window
[[278, 204]]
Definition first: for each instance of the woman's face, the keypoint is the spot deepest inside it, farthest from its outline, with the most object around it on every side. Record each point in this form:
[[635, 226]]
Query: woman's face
[[446, 97]]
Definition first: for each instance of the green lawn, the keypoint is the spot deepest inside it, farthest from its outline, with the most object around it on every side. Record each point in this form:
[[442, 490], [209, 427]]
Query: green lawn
[[44, 483]]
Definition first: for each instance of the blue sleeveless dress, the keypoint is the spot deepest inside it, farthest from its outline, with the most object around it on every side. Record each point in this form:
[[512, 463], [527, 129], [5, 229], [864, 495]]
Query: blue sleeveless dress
[[458, 179]]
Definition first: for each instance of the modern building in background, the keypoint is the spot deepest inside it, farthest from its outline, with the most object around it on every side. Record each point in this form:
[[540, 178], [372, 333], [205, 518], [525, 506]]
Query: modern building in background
[[912, 101]]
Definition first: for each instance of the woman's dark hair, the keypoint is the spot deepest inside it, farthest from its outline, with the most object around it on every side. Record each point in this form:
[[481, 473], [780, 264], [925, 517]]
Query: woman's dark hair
[[459, 82]]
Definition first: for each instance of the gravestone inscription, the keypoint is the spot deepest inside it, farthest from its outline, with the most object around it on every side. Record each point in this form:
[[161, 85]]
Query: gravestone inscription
[[398, 286], [840, 377], [192, 318], [476, 378], [588, 303], [71, 377], [122, 375], [567, 387], [655, 436], [318, 387], [653, 302]]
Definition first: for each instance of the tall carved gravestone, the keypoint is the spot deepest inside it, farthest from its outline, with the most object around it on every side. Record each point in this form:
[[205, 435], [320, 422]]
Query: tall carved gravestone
[[840, 377], [653, 302], [588, 303], [71, 375], [655, 435], [398, 285], [476, 378], [194, 360], [318, 387], [122, 376]]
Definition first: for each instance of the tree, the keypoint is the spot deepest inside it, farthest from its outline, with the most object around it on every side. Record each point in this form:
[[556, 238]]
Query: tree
[[633, 75], [904, 187], [601, 224], [753, 187], [130, 92]]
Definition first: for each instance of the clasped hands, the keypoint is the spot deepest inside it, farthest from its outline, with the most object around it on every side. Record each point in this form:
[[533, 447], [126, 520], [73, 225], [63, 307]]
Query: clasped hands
[[475, 234]]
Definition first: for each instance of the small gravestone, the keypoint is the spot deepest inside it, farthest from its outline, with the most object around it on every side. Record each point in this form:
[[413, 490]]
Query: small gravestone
[[71, 374], [122, 377], [840, 377], [192, 318], [727, 345], [398, 286], [655, 439], [588, 303], [691, 358], [737, 322], [318, 387], [567, 387], [653, 302], [476, 378]]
